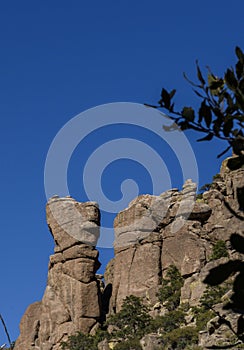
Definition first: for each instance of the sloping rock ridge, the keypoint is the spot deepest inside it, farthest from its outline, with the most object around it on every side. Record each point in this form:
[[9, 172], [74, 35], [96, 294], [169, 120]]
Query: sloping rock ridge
[[153, 233]]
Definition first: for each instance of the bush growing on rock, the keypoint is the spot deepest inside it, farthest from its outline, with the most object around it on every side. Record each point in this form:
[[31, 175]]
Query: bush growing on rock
[[80, 341], [180, 338], [219, 250], [132, 320], [169, 294]]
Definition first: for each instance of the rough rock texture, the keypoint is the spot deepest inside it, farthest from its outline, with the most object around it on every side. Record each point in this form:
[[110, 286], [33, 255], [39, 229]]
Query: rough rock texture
[[175, 228], [71, 301], [153, 233], [152, 341], [218, 333]]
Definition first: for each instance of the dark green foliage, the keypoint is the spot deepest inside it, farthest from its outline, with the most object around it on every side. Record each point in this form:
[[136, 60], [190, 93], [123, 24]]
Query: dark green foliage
[[219, 250], [202, 317], [169, 294], [221, 112], [210, 297], [168, 322], [180, 338], [80, 341], [132, 320], [131, 344], [209, 186], [213, 295]]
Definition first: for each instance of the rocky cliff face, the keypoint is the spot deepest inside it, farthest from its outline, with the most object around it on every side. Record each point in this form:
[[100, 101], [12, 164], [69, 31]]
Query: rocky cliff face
[[148, 240], [71, 301], [153, 233]]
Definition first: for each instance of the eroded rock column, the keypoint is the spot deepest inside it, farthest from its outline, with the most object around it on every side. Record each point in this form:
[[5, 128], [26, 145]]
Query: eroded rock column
[[71, 301]]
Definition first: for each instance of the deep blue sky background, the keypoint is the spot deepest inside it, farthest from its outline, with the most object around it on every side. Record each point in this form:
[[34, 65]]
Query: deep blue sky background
[[59, 58]]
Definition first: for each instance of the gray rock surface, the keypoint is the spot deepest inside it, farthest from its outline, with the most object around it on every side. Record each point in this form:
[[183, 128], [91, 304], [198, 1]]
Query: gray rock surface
[[153, 233], [72, 300]]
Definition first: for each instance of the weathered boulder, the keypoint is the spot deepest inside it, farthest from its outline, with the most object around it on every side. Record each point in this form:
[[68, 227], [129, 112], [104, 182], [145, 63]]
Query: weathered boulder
[[152, 341], [72, 300]]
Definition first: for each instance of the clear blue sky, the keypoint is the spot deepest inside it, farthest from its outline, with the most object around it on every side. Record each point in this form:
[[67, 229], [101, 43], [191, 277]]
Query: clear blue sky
[[59, 58]]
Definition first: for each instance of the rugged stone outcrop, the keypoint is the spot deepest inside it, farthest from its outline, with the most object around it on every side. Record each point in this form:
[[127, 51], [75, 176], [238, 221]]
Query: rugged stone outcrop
[[148, 240], [153, 233], [71, 301]]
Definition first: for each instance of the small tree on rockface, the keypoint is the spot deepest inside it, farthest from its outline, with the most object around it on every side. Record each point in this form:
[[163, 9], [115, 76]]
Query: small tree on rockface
[[132, 320]]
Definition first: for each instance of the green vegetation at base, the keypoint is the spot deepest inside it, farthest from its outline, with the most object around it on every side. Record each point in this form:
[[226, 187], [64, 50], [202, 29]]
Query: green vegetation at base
[[133, 321], [180, 338], [80, 341], [131, 344]]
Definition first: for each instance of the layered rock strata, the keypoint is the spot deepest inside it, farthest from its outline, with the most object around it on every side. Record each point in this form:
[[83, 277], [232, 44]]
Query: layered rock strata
[[71, 301]]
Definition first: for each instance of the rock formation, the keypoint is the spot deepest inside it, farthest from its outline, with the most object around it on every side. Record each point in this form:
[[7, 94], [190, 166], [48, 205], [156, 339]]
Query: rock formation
[[148, 240], [71, 301], [153, 233]]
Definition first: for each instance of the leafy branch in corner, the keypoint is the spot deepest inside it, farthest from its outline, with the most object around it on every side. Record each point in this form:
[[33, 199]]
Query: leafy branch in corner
[[221, 112]]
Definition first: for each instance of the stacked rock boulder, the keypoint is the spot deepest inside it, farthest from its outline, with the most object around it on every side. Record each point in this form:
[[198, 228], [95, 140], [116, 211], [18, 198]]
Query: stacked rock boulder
[[72, 300]]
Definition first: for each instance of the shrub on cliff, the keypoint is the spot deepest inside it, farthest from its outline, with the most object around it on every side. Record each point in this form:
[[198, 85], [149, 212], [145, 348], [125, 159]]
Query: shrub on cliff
[[169, 294], [80, 341], [219, 250], [132, 320], [180, 338]]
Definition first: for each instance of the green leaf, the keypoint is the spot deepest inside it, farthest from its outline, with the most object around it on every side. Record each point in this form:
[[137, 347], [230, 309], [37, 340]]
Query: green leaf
[[188, 113], [239, 69], [199, 74], [205, 113], [239, 54], [206, 138], [216, 84], [230, 80]]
